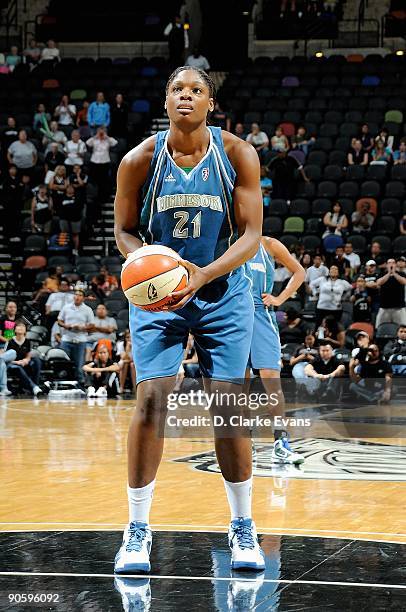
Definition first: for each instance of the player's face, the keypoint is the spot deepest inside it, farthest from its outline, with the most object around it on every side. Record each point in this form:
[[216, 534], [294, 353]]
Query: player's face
[[188, 99]]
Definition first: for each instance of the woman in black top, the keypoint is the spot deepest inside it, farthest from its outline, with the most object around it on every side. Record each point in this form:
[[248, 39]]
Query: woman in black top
[[41, 211]]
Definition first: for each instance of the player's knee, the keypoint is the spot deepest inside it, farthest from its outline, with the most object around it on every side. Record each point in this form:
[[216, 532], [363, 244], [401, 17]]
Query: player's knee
[[152, 404]]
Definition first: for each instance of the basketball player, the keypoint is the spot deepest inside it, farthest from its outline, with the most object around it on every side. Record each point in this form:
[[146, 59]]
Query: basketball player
[[195, 189], [265, 354]]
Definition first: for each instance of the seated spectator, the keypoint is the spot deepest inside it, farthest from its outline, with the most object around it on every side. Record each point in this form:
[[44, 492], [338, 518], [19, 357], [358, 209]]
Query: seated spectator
[[41, 118], [284, 170], [65, 114], [385, 138], [56, 336], [366, 139], [321, 375], [360, 352], [104, 328], [26, 366], [53, 159], [23, 154], [102, 375], [8, 323], [292, 329], [392, 305], [56, 301], [331, 332], [279, 141], [119, 118], [335, 221], [13, 58], [353, 258], [197, 60], [57, 186], [32, 53], [49, 285], [266, 187], [70, 216], [50, 53], [54, 134], [258, 139], [9, 134], [104, 282], [376, 255], [332, 291], [282, 274], [357, 156], [239, 131], [220, 118], [395, 352], [75, 150], [381, 154], [98, 113], [126, 363], [41, 211], [362, 220], [372, 378], [316, 270], [304, 354], [399, 156], [301, 141], [361, 301]]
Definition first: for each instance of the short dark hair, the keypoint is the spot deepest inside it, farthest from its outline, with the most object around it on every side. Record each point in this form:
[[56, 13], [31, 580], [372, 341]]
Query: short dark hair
[[202, 74]]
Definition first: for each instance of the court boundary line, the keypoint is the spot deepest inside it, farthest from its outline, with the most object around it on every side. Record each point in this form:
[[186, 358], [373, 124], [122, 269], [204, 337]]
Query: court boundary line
[[209, 578]]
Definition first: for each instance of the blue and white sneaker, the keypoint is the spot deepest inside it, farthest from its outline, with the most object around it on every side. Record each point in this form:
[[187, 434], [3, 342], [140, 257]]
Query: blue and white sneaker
[[133, 556], [246, 553], [282, 453], [135, 593]]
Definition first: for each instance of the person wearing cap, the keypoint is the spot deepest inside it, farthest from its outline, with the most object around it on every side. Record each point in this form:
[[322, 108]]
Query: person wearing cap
[[392, 304], [76, 321], [360, 351]]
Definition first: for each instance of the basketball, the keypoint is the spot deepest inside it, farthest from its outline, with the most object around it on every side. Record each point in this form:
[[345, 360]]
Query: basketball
[[150, 275]]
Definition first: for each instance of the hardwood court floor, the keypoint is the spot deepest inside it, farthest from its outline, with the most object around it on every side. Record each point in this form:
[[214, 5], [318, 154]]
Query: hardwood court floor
[[63, 467]]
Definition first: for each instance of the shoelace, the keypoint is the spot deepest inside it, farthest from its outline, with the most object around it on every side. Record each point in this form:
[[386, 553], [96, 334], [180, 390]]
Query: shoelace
[[137, 536], [244, 536]]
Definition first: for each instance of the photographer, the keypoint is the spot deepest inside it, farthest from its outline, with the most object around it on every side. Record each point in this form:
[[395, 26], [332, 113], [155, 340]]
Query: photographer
[[372, 378], [321, 375], [306, 353], [392, 297]]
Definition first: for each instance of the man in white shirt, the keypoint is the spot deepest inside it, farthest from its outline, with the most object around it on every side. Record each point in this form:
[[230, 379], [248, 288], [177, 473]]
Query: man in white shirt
[[352, 257], [57, 301], [75, 150], [76, 320], [197, 60], [105, 327]]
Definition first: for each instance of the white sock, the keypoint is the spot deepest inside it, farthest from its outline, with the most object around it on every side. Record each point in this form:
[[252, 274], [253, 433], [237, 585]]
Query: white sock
[[239, 495], [139, 502]]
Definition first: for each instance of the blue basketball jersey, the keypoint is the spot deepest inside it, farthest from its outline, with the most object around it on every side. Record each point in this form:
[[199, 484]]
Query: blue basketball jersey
[[191, 213], [261, 269]]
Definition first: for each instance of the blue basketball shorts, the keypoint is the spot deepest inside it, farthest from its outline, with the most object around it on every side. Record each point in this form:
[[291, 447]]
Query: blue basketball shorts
[[220, 316], [265, 353]]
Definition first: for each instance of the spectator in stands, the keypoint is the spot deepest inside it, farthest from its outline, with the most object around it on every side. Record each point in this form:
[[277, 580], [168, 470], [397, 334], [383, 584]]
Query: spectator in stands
[[332, 291], [57, 301], [266, 187], [50, 53], [23, 154], [103, 375], [371, 275], [316, 270], [392, 306], [78, 178], [75, 150], [13, 58], [8, 323], [54, 134], [385, 138], [321, 375], [41, 211], [26, 366], [53, 159], [220, 118], [49, 285], [57, 186], [395, 352], [304, 354], [362, 219], [76, 320], [339, 259], [119, 118], [100, 161], [104, 283], [104, 328], [361, 301], [331, 332], [126, 363], [70, 216], [353, 258], [292, 329], [12, 200], [357, 156], [82, 122], [335, 221], [98, 114], [239, 131], [366, 139], [399, 156], [176, 41], [197, 60], [372, 378], [283, 172], [9, 133], [56, 336], [302, 141], [258, 139], [41, 118], [381, 154], [360, 352], [65, 114], [32, 53], [279, 141]]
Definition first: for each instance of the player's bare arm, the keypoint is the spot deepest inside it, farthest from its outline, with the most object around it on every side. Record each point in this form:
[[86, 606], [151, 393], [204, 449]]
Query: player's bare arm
[[131, 176], [281, 254]]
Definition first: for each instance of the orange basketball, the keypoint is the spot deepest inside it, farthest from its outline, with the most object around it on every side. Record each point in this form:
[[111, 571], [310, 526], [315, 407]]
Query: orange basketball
[[150, 274]]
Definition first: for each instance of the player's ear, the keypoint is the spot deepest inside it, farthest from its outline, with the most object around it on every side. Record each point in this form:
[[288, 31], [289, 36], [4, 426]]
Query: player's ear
[[211, 105]]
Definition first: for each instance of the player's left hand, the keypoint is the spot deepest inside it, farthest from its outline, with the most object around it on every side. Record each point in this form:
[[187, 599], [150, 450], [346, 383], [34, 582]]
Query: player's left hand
[[197, 278], [270, 300]]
